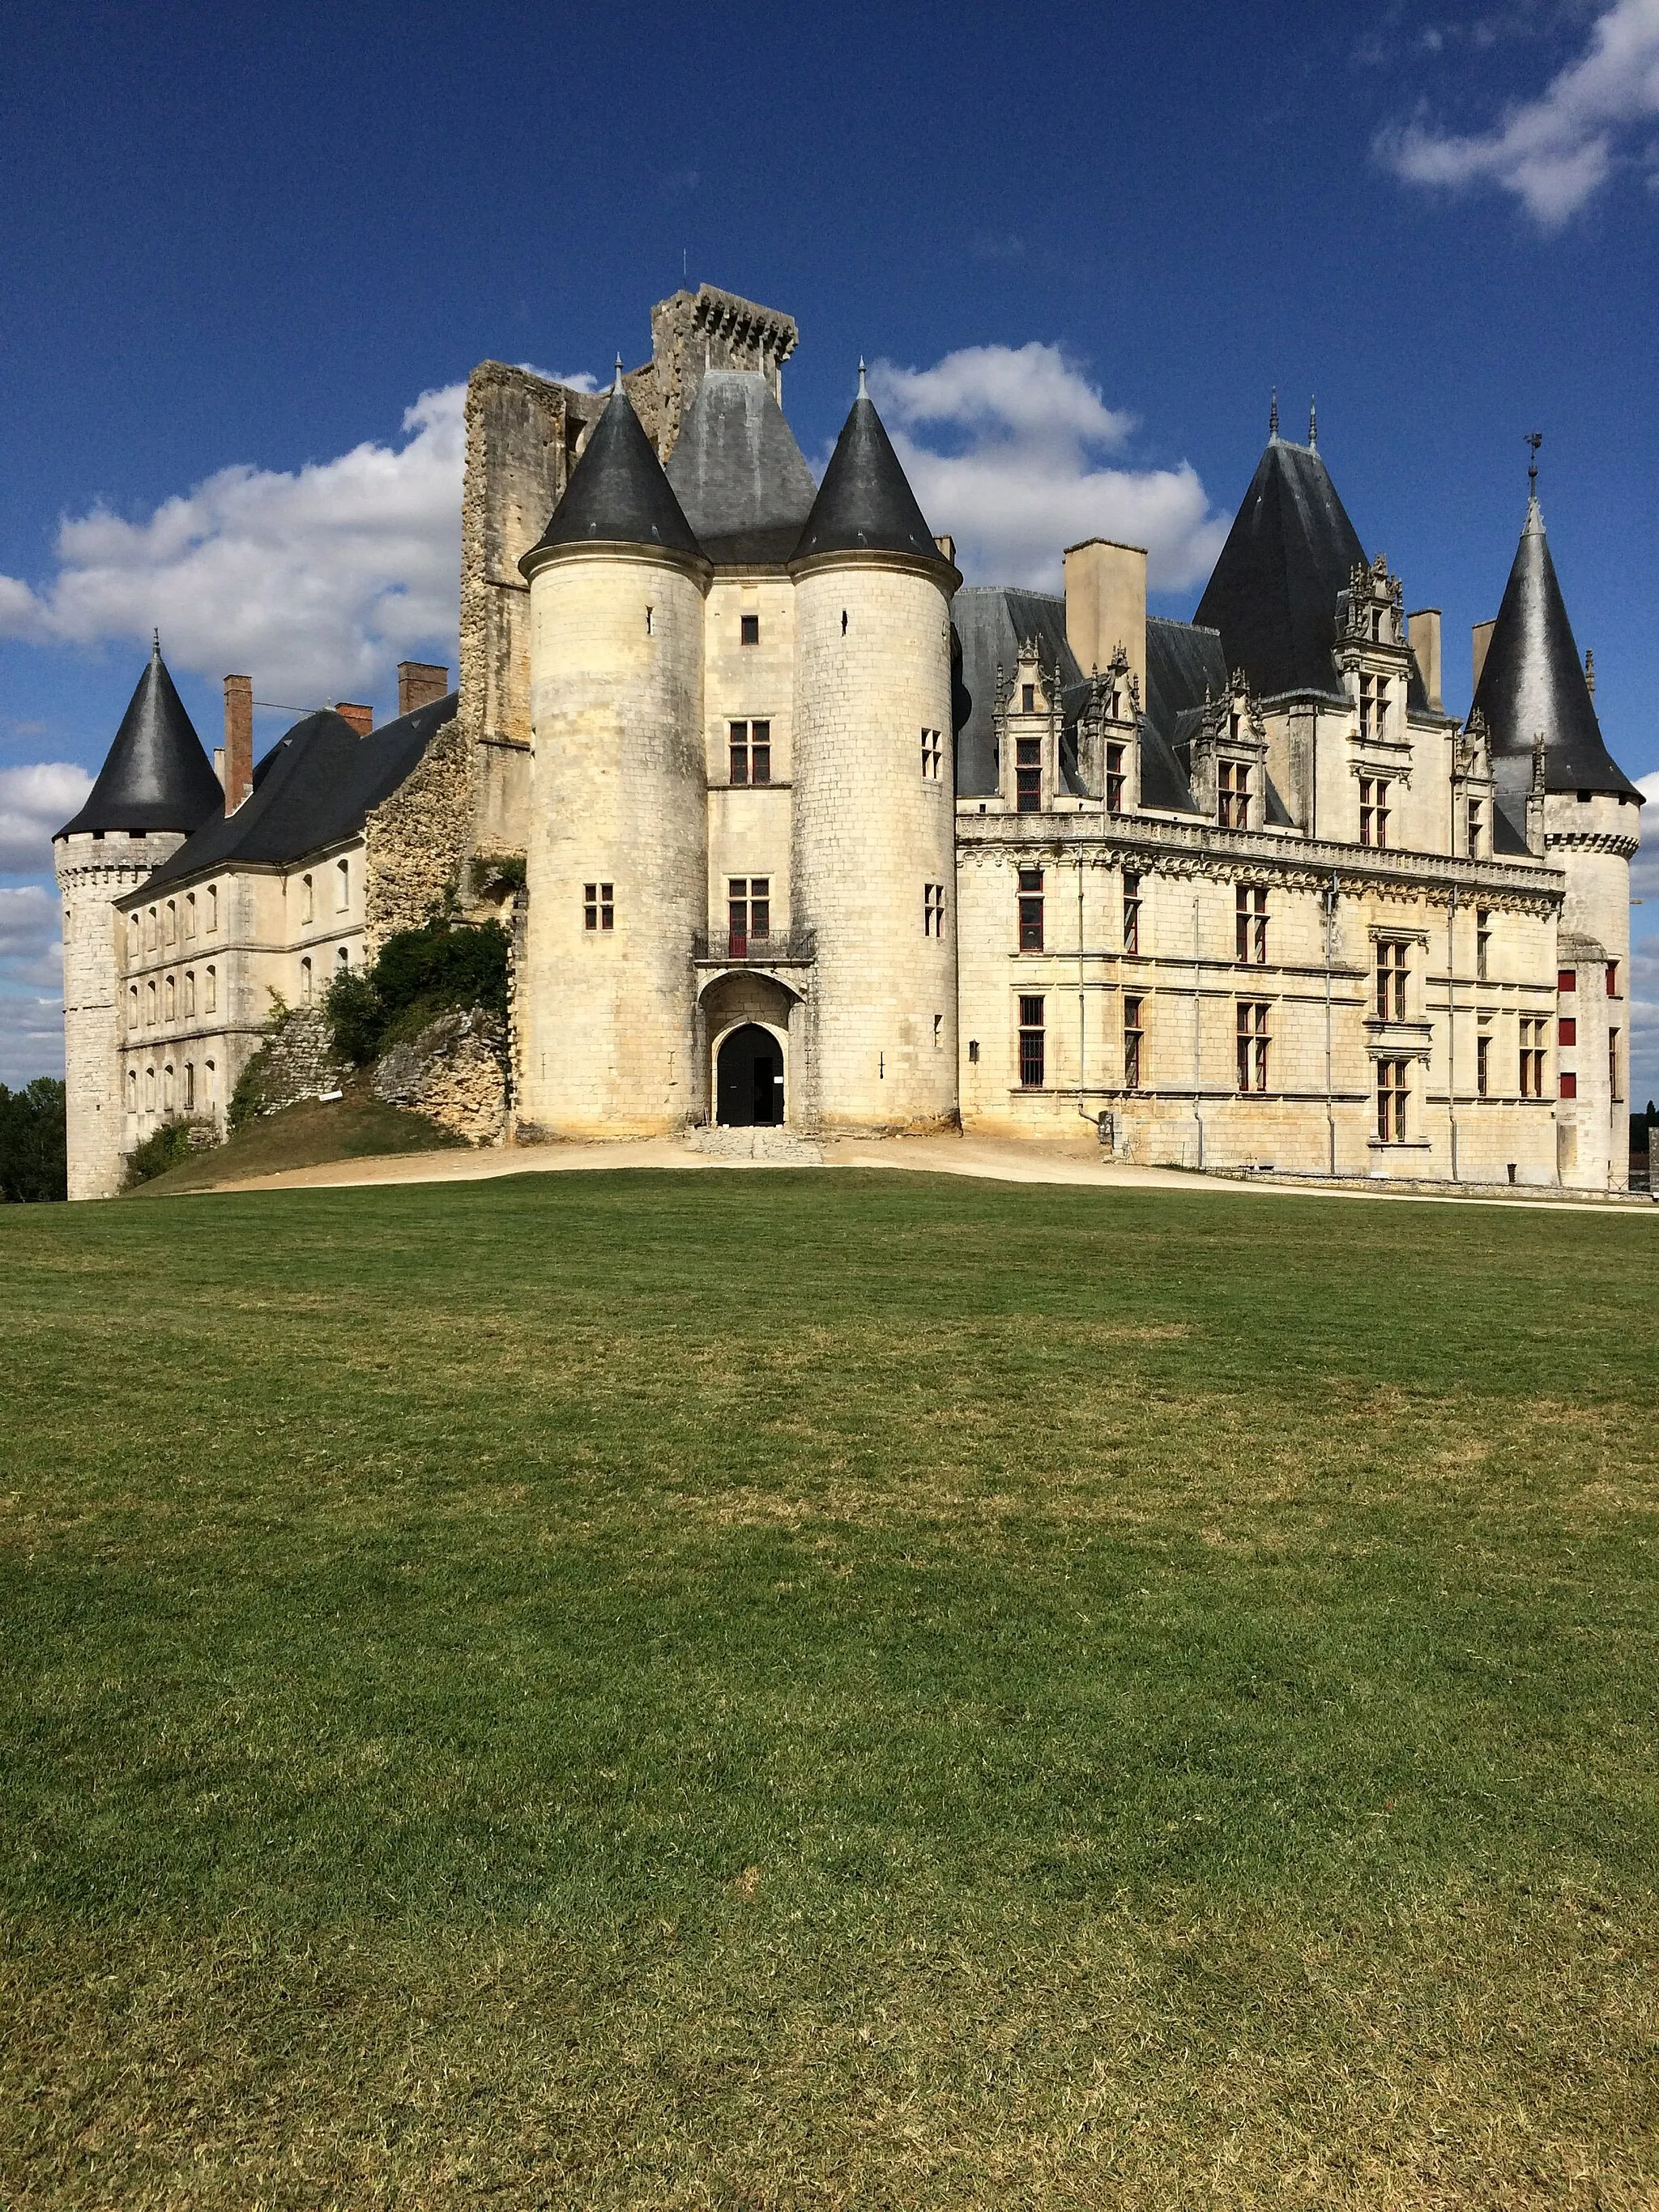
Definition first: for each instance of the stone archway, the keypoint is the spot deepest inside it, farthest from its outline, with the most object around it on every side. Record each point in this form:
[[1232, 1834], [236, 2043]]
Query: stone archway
[[749, 1089]]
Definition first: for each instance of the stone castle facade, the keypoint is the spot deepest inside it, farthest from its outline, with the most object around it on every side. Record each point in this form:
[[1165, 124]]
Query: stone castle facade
[[790, 825]]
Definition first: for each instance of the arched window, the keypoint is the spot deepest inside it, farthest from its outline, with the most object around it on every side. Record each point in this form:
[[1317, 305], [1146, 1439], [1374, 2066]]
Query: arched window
[[305, 980], [149, 1006], [190, 914], [307, 899], [190, 1086], [133, 1005], [211, 992], [213, 909], [132, 936], [343, 886], [167, 1088], [212, 1070], [132, 1090], [343, 958], [190, 990], [172, 999], [151, 927], [172, 921], [149, 1090]]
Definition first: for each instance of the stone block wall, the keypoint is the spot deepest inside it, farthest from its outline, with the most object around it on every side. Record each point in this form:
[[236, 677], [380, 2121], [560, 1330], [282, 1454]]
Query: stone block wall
[[416, 842], [454, 1073]]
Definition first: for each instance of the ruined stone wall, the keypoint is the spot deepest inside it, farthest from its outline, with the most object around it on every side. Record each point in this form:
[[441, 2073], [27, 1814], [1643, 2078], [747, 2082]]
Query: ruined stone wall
[[454, 1073], [695, 332], [416, 841]]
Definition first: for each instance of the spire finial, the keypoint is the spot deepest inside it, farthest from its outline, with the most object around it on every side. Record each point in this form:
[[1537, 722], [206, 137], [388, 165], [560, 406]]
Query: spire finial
[[1313, 424], [1273, 415], [617, 386], [1589, 670], [156, 643], [862, 394], [1535, 439]]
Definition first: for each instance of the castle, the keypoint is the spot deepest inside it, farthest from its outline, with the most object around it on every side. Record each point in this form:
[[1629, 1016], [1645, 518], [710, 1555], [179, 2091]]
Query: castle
[[790, 826]]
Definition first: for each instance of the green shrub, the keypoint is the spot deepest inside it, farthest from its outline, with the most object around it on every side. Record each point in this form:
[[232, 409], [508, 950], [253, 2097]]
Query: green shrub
[[250, 1097], [356, 1015], [164, 1148], [33, 1151], [420, 973]]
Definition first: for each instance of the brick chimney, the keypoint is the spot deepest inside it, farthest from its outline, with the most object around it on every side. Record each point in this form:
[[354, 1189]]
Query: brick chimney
[[361, 719], [238, 740], [420, 684]]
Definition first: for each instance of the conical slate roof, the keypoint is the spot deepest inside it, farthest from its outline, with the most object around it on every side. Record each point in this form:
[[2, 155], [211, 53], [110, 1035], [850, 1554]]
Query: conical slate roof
[[1533, 681], [738, 474], [1273, 593], [156, 775], [617, 494], [865, 504]]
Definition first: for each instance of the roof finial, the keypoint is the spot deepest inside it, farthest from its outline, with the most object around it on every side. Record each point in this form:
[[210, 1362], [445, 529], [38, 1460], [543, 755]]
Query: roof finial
[[1589, 670], [617, 386], [1313, 424], [156, 643], [1535, 439], [1273, 415], [862, 394]]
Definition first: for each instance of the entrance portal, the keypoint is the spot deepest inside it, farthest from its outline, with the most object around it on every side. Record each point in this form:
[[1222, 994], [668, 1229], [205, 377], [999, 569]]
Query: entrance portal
[[749, 1078]]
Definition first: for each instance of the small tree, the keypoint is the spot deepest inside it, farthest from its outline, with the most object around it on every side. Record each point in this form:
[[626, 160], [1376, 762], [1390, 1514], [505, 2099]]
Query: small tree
[[33, 1145]]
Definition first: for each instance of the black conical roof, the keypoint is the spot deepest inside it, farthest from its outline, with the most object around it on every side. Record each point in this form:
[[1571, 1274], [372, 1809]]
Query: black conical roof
[[865, 504], [617, 494], [1533, 681], [156, 775], [744, 483], [1273, 593]]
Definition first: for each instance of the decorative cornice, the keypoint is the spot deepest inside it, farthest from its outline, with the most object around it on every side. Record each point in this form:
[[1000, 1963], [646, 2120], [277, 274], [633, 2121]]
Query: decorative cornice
[[1593, 841]]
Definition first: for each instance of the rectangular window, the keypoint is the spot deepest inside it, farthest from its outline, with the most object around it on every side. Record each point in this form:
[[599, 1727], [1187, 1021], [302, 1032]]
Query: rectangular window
[[1474, 830], [1114, 779], [747, 912], [1364, 706], [1253, 1043], [1567, 980], [1532, 1055], [1482, 1065], [933, 754], [1391, 971], [1615, 1089], [932, 909], [1569, 1086], [751, 752], [1135, 1045], [1031, 1044], [1027, 699], [1131, 914], [748, 628], [1393, 1094], [1567, 1030], [1482, 945], [1233, 795], [1613, 979], [599, 906], [1374, 811], [1250, 923], [1030, 910], [1381, 705], [1028, 773]]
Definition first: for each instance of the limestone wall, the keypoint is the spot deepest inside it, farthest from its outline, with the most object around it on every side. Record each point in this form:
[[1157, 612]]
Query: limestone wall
[[873, 671], [1593, 839], [454, 1073], [606, 1016], [416, 842]]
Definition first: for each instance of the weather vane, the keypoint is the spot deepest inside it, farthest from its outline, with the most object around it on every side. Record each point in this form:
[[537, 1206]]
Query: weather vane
[[1535, 439]]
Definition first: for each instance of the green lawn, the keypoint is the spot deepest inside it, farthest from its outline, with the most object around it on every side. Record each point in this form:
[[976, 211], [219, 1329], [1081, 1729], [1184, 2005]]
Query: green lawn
[[826, 1690]]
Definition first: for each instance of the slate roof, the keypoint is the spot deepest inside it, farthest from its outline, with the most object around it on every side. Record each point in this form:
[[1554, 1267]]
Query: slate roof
[[155, 775], [740, 479], [1185, 666], [312, 789], [1273, 592], [1533, 680], [992, 622], [617, 494], [864, 503]]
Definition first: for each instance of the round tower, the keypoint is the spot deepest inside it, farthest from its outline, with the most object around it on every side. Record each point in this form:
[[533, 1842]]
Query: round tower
[[615, 864], [873, 833], [156, 786], [1552, 767]]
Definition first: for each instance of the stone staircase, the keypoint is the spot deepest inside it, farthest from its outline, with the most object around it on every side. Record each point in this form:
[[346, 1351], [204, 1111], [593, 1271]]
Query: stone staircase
[[776, 1147]]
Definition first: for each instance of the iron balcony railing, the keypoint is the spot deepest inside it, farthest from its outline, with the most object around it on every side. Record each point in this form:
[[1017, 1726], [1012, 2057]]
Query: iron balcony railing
[[778, 948]]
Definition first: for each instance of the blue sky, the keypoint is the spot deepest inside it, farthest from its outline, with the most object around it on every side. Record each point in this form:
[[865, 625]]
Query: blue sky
[[249, 259]]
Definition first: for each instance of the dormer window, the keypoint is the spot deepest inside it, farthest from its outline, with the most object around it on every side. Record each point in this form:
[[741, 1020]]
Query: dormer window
[[1028, 698], [1114, 779], [1476, 823], [1233, 795], [1028, 775], [1374, 811]]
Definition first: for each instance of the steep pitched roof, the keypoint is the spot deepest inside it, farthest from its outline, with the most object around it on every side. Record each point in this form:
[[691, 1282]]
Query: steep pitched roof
[[617, 494], [312, 789], [155, 775], [1273, 593], [741, 480], [992, 622], [864, 503], [1185, 666], [1533, 681]]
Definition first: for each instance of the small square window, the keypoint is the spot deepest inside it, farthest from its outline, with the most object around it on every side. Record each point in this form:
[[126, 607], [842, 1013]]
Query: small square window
[[1567, 1030], [1567, 980], [1569, 1086], [750, 628], [599, 906]]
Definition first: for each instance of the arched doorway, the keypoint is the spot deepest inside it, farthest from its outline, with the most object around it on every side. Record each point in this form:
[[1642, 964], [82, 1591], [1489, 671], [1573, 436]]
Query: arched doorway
[[749, 1078]]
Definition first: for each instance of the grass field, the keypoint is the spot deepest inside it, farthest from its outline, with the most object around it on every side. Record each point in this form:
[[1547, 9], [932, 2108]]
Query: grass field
[[826, 1690], [358, 1127]]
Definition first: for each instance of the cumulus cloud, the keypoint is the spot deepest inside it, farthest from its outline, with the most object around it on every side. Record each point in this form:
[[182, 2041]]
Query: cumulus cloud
[[314, 580], [34, 802], [31, 984], [1014, 452], [1554, 153]]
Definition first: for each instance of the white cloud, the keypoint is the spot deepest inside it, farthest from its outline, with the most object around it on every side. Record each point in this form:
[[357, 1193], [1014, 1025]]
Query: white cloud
[[1006, 447], [314, 581], [1556, 152], [33, 802], [31, 984]]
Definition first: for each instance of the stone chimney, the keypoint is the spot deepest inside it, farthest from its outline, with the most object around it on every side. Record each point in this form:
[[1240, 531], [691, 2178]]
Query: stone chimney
[[1423, 630], [1106, 605], [238, 740], [1480, 639], [361, 719], [420, 684]]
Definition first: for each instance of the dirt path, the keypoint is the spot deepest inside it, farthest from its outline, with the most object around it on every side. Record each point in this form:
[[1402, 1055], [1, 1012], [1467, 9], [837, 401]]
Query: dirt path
[[994, 1159]]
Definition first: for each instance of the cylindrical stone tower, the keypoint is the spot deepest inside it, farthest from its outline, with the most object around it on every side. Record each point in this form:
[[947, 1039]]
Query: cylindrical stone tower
[[617, 869], [873, 835], [156, 786]]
